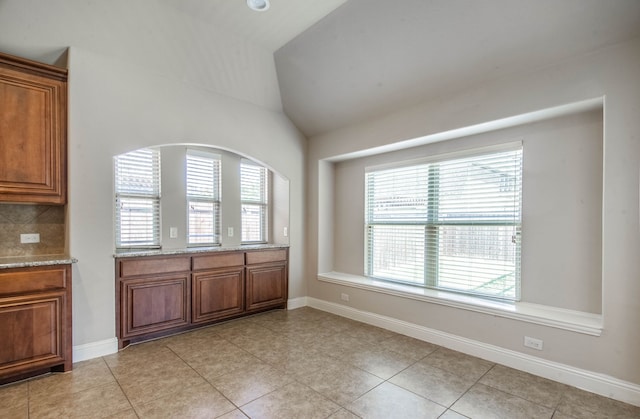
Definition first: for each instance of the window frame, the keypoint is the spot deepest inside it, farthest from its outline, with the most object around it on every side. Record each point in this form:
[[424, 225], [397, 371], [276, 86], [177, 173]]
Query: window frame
[[125, 190], [213, 198], [262, 203], [433, 225]]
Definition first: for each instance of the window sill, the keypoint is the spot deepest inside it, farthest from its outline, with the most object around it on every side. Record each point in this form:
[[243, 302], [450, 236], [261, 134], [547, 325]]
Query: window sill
[[575, 321]]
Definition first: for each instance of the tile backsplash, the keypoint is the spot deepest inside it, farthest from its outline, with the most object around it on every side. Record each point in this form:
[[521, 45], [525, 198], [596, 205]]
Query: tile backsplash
[[47, 220]]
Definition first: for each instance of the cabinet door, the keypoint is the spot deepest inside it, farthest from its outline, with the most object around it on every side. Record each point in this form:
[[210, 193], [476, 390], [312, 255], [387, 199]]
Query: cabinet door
[[153, 304], [33, 136], [31, 330], [266, 286], [217, 294]]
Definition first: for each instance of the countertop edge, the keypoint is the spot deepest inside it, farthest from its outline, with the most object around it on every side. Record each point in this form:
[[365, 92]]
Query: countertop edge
[[27, 262], [194, 250]]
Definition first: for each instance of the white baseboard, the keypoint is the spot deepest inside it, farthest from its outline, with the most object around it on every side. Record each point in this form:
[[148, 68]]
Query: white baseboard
[[590, 381], [95, 349], [294, 303], [110, 346]]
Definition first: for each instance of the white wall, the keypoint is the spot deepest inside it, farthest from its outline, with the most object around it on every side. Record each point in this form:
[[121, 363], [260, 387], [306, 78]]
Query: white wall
[[141, 75], [613, 72]]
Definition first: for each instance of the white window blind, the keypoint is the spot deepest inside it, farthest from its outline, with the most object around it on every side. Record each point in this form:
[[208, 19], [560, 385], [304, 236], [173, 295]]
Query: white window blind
[[137, 200], [203, 198], [254, 184], [451, 224]]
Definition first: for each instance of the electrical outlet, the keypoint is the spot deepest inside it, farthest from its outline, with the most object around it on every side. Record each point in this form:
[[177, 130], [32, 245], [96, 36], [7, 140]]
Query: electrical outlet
[[344, 297], [285, 232], [533, 343], [30, 238], [173, 232], [230, 231]]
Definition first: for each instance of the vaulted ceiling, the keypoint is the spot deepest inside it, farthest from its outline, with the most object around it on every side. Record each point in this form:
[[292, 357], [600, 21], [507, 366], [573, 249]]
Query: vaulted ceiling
[[217, 46], [271, 29], [369, 57]]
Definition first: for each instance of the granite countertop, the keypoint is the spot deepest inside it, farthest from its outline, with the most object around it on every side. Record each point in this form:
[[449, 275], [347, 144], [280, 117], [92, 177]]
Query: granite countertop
[[192, 250], [32, 261]]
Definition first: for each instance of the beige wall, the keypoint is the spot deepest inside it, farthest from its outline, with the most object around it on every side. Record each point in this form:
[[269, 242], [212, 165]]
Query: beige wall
[[614, 73], [562, 203]]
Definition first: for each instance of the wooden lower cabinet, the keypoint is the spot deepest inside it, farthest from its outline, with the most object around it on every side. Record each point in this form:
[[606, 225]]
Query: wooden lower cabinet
[[267, 278], [35, 320], [154, 304], [266, 286], [217, 294], [218, 286], [161, 295]]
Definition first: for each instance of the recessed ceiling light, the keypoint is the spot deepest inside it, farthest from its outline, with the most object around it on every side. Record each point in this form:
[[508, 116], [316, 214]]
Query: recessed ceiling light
[[258, 5]]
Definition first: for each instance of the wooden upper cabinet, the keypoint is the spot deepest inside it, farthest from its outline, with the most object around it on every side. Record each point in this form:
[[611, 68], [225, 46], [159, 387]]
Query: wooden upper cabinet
[[33, 131]]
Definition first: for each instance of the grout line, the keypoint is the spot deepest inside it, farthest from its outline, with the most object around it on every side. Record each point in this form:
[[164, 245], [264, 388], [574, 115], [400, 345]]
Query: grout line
[[471, 386], [135, 412], [238, 407], [28, 399]]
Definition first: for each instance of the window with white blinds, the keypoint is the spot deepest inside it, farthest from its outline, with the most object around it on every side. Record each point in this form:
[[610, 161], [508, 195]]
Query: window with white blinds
[[137, 200], [451, 224], [203, 198], [254, 185]]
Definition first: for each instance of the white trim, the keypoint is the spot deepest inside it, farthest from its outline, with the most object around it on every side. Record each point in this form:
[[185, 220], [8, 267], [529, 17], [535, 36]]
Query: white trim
[[511, 121], [294, 303], [452, 155], [110, 346], [575, 321], [205, 154], [95, 349], [587, 380]]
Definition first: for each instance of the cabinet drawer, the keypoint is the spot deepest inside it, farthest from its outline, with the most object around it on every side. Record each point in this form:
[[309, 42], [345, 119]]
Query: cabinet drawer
[[150, 266], [266, 256], [222, 260], [42, 279]]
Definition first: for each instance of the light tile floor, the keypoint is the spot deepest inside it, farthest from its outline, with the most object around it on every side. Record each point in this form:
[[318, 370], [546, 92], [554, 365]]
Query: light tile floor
[[302, 363]]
